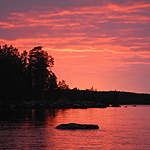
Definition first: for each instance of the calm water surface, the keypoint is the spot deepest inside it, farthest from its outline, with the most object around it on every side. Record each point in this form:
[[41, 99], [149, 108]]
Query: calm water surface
[[120, 128]]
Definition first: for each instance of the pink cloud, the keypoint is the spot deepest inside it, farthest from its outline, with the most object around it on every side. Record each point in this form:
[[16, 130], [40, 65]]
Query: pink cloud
[[97, 45]]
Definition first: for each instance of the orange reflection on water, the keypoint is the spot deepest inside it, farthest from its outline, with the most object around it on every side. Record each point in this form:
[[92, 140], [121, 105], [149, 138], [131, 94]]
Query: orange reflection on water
[[118, 128]]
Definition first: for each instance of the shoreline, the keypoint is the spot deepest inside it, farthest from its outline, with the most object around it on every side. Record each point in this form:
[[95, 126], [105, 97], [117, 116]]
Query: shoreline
[[60, 105]]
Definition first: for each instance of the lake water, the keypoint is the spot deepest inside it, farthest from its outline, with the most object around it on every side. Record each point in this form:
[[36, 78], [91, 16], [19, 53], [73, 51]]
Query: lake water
[[120, 129]]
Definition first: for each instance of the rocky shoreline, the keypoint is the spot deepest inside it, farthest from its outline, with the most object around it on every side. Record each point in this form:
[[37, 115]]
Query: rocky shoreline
[[56, 104]]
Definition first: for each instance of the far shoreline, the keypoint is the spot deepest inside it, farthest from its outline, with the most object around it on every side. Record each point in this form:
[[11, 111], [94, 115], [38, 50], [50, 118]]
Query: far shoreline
[[77, 99]]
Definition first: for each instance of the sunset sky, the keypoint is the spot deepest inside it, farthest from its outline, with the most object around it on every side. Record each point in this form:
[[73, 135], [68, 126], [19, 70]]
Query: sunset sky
[[99, 43]]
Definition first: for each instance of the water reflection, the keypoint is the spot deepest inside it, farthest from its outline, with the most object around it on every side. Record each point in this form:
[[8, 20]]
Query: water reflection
[[23, 129], [35, 129], [39, 115]]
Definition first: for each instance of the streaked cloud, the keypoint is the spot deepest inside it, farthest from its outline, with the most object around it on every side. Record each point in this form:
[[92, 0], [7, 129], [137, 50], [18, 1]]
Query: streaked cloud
[[100, 40]]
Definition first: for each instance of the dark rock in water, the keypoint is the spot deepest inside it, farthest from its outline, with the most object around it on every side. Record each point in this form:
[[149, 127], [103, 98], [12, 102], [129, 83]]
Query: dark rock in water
[[74, 126]]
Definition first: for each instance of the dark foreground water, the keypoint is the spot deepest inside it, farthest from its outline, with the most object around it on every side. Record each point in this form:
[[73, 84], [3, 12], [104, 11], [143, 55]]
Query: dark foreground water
[[120, 128]]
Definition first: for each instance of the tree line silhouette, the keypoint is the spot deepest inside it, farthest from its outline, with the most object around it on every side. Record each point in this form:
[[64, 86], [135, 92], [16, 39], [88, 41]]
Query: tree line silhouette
[[28, 76]]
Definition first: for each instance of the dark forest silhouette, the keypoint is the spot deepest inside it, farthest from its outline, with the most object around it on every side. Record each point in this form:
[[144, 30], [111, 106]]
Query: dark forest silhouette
[[27, 79], [25, 74]]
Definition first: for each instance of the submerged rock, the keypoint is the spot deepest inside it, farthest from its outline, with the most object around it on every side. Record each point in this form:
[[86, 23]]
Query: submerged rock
[[74, 126]]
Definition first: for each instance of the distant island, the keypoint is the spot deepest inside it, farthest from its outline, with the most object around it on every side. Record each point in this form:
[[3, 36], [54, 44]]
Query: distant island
[[27, 81]]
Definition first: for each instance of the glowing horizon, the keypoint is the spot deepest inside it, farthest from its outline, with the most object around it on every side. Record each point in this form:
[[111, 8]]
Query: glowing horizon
[[94, 43]]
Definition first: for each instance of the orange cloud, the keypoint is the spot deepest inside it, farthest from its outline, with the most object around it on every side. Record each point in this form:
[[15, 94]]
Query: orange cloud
[[95, 45], [6, 25]]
